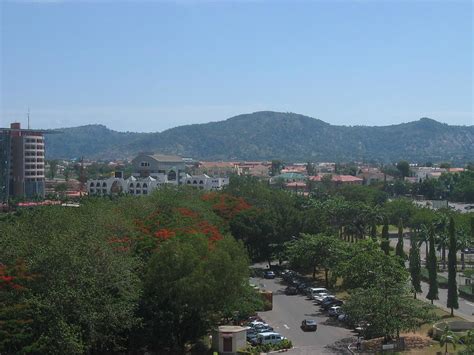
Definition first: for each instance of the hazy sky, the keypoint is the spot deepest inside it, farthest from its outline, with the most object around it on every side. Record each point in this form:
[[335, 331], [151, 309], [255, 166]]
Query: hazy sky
[[152, 65]]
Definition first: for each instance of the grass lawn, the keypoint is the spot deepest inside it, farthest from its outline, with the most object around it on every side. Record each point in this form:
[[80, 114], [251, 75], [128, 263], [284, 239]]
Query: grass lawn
[[424, 330]]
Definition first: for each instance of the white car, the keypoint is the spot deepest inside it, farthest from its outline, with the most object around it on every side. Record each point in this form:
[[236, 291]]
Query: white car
[[269, 338], [314, 291], [325, 296]]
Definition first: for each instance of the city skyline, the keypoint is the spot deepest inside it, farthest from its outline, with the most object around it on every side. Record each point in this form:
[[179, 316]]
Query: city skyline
[[172, 63]]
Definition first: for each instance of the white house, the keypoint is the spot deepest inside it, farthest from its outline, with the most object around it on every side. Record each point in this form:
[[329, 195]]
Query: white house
[[205, 182]]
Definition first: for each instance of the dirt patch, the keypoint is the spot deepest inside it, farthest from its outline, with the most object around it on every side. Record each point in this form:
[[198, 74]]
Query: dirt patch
[[412, 342]]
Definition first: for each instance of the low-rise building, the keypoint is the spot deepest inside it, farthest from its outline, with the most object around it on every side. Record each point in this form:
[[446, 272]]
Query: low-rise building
[[339, 179], [205, 182]]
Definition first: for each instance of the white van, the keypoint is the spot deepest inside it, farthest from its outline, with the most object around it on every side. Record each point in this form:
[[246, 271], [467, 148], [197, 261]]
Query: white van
[[269, 338], [313, 291]]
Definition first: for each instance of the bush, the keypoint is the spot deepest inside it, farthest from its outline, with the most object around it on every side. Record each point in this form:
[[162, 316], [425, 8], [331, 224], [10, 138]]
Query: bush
[[442, 281], [265, 348]]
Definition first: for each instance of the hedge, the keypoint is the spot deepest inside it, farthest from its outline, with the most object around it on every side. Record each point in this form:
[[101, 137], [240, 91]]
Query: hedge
[[442, 281]]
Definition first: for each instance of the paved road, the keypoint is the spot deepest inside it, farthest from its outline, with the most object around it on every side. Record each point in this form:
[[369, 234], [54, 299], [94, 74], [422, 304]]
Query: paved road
[[466, 308], [288, 313]]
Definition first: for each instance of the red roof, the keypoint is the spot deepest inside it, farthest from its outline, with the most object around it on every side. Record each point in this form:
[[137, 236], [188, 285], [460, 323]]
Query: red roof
[[296, 184], [338, 178]]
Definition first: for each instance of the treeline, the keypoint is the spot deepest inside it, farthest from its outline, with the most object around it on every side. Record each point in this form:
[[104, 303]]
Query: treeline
[[457, 187], [128, 274], [348, 212]]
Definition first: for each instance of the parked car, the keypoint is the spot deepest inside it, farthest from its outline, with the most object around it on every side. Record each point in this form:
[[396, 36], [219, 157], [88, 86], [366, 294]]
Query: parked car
[[334, 311], [263, 328], [269, 338], [309, 325], [320, 298], [269, 275], [257, 323], [301, 287], [343, 317], [332, 302], [314, 291], [251, 334], [288, 274], [469, 207], [291, 290]]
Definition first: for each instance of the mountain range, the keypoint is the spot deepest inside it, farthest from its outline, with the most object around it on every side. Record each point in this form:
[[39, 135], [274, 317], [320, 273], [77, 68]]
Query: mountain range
[[270, 135]]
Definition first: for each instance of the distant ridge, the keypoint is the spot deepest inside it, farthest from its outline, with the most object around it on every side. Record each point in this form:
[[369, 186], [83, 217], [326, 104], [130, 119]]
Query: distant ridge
[[270, 135]]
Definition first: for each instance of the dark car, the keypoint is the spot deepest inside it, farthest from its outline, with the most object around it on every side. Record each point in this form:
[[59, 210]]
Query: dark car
[[329, 303], [291, 290], [301, 287], [309, 325], [269, 275]]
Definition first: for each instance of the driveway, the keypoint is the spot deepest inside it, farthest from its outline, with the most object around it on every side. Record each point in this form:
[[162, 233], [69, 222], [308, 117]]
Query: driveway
[[288, 313]]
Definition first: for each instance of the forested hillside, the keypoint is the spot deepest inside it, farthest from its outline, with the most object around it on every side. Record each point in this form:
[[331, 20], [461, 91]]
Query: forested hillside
[[275, 135]]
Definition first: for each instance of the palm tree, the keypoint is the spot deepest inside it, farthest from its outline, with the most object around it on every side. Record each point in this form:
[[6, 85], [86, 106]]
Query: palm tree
[[448, 337], [442, 239], [423, 237]]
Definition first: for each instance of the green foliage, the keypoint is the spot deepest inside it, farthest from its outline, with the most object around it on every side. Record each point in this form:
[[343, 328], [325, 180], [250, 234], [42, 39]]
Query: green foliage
[[399, 251], [257, 350], [385, 243], [266, 135], [316, 251], [85, 293], [452, 301], [432, 268], [404, 168], [384, 302], [121, 274], [448, 337], [185, 292], [415, 267]]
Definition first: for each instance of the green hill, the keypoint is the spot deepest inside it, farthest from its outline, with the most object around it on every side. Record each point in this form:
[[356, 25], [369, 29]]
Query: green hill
[[274, 135]]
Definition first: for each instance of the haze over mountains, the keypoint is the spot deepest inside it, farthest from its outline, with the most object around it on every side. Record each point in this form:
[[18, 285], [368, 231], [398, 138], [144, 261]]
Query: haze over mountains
[[270, 135]]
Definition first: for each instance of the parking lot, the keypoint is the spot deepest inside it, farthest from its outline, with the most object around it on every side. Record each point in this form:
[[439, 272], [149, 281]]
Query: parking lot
[[289, 311]]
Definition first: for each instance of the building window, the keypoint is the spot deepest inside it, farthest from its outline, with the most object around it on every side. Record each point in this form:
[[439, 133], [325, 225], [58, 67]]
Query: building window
[[201, 182], [189, 181], [104, 191], [138, 185], [145, 185], [145, 192], [144, 163], [172, 175], [92, 184]]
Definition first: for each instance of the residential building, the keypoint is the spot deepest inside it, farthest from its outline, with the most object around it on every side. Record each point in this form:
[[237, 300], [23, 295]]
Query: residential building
[[339, 179], [164, 168], [221, 168], [118, 185], [205, 182], [150, 172], [22, 159]]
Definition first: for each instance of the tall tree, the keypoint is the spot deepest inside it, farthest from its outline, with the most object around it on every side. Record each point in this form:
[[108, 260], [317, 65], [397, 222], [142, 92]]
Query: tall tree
[[399, 249], [432, 269], [53, 167], [415, 267], [385, 244], [404, 168], [452, 261]]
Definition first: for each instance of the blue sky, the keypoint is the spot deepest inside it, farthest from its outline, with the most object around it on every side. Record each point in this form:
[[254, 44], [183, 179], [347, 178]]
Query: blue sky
[[151, 65]]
